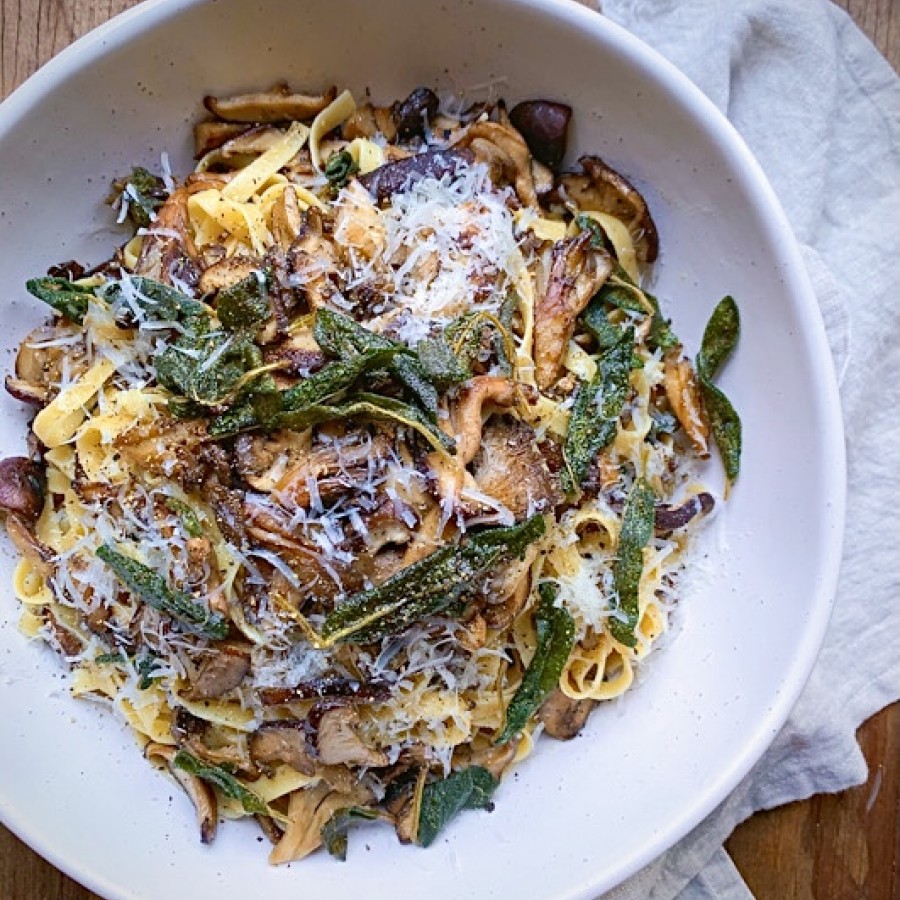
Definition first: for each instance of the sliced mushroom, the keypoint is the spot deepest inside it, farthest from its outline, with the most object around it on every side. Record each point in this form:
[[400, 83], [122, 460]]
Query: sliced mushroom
[[509, 142], [338, 743], [358, 224], [222, 672], [671, 518], [473, 396], [287, 219], [603, 189], [683, 394], [496, 759], [242, 148], [22, 487], [278, 104], [166, 447], [396, 177], [414, 114], [368, 121], [27, 543], [510, 467], [577, 271], [313, 262], [41, 360], [211, 134], [226, 273], [282, 743], [562, 716], [202, 795], [543, 124]]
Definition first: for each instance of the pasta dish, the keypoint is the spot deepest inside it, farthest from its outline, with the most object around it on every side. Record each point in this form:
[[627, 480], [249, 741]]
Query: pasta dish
[[365, 460]]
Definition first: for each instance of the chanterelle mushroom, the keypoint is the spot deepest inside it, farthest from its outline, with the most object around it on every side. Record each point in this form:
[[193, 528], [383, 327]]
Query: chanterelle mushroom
[[338, 742]]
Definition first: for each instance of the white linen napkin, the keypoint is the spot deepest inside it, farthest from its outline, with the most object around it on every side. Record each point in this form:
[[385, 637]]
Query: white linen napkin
[[820, 108]]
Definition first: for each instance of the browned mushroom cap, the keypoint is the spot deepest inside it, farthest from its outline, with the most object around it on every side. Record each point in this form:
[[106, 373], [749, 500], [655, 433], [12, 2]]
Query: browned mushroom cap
[[511, 469], [337, 741], [562, 716], [226, 273], [211, 134], [22, 487], [222, 672], [683, 394], [544, 125], [670, 518], [40, 361], [509, 154], [277, 743], [413, 114], [242, 149], [577, 271], [277, 104], [202, 796], [394, 177], [603, 189], [368, 121], [474, 395]]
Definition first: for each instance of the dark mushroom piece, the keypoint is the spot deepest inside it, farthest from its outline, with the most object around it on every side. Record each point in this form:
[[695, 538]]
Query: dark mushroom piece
[[22, 487], [338, 743], [278, 104], [564, 717], [222, 672], [393, 178], [282, 743], [413, 114], [202, 796], [670, 518], [544, 125]]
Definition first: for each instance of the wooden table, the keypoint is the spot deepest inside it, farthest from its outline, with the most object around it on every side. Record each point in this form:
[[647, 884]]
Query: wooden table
[[832, 847]]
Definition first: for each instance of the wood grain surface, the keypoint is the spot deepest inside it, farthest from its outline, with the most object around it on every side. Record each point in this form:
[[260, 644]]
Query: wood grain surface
[[831, 847]]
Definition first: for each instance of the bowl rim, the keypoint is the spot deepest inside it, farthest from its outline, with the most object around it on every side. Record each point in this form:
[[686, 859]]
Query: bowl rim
[[120, 29]]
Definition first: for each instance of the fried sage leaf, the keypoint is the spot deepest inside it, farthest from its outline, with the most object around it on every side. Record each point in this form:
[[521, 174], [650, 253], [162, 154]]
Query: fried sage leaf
[[470, 788], [245, 304], [144, 193], [427, 587], [595, 413], [153, 590], [156, 300], [637, 529], [221, 779], [67, 298], [190, 522], [719, 340], [372, 406], [340, 168], [555, 630], [334, 831]]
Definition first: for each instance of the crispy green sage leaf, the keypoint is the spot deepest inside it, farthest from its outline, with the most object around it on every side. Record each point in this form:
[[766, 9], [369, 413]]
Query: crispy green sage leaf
[[340, 168], [157, 300], [555, 638], [188, 518], [245, 304], [67, 298], [144, 193], [427, 587], [595, 413], [334, 831], [221, 779], [637, 529], [153, 590], [719, 339], [470, 788]]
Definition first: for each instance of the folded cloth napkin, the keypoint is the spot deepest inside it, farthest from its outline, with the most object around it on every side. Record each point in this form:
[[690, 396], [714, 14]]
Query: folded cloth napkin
[[820, 108]]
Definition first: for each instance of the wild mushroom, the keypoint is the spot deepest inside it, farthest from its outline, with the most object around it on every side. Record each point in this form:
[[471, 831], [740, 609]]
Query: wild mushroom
[[212, 134], [202, 795], [41, 359], [510, 143], [22, 487], [510, 468], [241, 148], [368, 121], [414, 114], [226, 273], [223, 671], [683, 394], [467, 412], [562, 716], [604, 189], [670, 518], [337, 741], [313, 261], [395, 177], [278, 104], [282, 743], [577, 271], [543, 124]]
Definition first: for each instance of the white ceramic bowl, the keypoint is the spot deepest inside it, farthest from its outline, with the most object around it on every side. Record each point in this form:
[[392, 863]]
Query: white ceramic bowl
[[578, 817]]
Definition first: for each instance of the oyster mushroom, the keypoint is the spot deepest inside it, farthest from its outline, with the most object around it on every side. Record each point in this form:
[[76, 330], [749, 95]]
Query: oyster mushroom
[[282, 743], [278, 104], [223, 671], [514, 150], [467, 413], [22, 487], [202, 796], [577, 271], [683, 394], [337, 741], [562, 716]]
